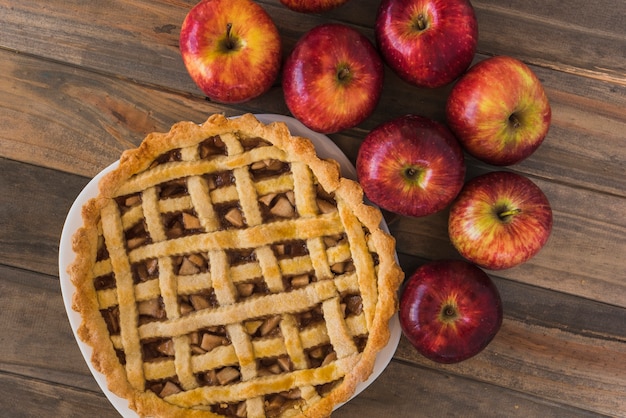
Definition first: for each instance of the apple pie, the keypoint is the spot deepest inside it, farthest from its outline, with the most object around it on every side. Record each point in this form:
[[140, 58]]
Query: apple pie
[[225, 270]]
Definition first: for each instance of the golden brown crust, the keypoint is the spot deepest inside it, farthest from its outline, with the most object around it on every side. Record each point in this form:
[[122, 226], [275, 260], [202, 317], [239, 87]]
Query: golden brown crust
[[377, 280]]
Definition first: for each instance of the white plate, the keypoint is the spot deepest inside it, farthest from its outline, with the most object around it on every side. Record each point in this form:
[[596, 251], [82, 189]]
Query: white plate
[[325, 149]]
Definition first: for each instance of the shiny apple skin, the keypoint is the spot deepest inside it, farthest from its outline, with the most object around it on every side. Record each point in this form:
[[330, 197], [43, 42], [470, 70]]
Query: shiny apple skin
[[432, 57], [411, 141], [312, 6], [476, 299], [231, 76], [480, 105], [313, 90], [478, 233]]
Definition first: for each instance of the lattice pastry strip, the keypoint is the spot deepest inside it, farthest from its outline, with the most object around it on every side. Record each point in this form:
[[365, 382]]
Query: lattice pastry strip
[[225, 270], [113, 235]]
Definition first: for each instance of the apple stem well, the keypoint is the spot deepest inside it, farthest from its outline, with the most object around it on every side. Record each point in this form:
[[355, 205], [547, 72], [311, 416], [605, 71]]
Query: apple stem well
[[420, 23], [344, 75], [415, 175], [449, 313], [514, 121], [229, 43]]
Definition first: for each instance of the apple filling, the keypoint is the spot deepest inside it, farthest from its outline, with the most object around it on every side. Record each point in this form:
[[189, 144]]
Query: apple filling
[[151, 310], [189, 264], [277, 206], [219, 179], [205, 340], [136, 236], [264, 169], [264, 327], [251, 288], [204, 299], [169, 156], [173, 188], [157, 349], [111, 318], [128, 202], [105, 282], [211, 147], [144, 271], [219, 377], [290, 249], [251, 142]]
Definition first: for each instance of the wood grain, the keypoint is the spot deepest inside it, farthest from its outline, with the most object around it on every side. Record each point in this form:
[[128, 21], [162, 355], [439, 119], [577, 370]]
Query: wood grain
[[82, 81]]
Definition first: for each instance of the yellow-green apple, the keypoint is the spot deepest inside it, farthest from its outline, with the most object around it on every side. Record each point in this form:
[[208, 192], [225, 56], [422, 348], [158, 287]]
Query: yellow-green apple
[[428, 43], [500, 220], [312, 6], [450, 310], [333, 78], [411, 165], [231, 49], [499, 111]]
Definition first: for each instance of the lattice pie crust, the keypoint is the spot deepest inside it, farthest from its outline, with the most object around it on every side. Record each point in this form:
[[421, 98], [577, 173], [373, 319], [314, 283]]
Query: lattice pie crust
[[225, 270]]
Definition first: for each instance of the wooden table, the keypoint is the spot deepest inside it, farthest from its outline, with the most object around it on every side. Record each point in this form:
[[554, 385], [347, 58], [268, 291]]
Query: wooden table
[[81, 81]]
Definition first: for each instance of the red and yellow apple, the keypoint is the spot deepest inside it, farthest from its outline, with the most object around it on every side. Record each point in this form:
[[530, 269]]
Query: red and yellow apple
[[499, 111], [450, 310], [312, 6], [333, 78], [411, 165], [500, 220], [231, 49], [428, 43]]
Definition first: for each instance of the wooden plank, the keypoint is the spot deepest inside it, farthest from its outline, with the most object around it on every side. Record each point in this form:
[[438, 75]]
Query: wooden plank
[[44, 399], [101, 37], [546, 364], [424, 392], [37, 339], [572, 37], [40, 359], [33, 206], [79, 122]]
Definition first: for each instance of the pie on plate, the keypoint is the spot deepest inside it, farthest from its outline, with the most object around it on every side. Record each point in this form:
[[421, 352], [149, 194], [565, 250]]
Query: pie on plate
[[224, 269]]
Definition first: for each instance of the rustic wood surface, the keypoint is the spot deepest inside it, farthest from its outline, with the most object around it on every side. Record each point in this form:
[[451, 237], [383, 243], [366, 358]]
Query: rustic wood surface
[[82, 81]]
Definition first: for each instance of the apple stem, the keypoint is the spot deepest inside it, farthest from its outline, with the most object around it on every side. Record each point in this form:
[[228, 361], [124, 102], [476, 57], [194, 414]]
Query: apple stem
[[507, 214], [229, 40], [421, 23], [343, 73], [514, 121], [449, 313], [410, 172]]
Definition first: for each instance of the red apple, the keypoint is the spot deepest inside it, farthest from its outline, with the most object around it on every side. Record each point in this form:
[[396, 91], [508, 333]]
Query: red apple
[[500, 220], [333, 78], [411, 166], [428, 43], [450, 310], [231, 48], [499, 111], [312, 6]]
